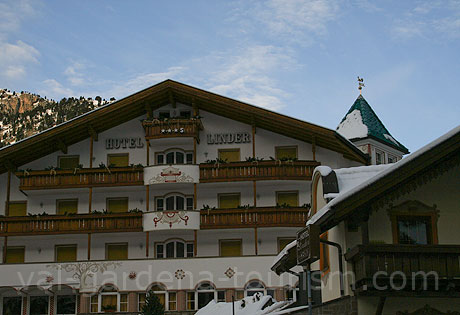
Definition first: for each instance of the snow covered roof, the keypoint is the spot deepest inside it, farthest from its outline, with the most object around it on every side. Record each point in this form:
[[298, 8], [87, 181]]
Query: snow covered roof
[[251, 305], [361, 122], [395, 169]]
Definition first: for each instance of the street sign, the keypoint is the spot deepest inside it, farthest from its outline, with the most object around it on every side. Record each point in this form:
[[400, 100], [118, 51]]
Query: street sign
[[308, 245]]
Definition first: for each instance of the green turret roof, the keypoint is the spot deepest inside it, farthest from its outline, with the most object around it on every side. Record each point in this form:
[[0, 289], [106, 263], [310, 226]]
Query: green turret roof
[[361, 122]]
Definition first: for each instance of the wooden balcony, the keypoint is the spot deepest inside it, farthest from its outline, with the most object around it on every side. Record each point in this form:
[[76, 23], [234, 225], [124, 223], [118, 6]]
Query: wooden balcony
[[253, 217], [87, 177], [172, 128], [71, 224], [375, 266], [262, 170]]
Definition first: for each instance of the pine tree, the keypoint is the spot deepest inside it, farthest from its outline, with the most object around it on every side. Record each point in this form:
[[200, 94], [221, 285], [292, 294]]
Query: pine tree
[[152, 305]]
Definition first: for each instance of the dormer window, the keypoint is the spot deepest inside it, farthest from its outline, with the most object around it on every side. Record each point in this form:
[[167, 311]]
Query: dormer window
[[174, 157], [379, 157]]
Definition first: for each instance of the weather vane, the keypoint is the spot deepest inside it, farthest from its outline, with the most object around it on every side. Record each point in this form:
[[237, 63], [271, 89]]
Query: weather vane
[[360, 84]]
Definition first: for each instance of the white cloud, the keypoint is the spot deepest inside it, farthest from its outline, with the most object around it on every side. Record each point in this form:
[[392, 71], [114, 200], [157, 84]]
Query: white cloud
[[15, 57], [14, 72], [74, 74], [54, 89]]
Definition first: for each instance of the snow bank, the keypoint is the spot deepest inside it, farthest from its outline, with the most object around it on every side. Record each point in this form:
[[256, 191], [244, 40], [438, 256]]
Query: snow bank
[[352, 126]]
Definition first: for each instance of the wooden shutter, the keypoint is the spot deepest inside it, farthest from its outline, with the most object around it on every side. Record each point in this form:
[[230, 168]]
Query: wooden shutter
[[117, 251], [15, 255], [230, 155], [286, 152], [68, 162], [283, 242], [67, 206], [230, 201], [109, 300], [288, 198], [66, 253], [118, 160], [229, 248], [117, 205], [17, 209]]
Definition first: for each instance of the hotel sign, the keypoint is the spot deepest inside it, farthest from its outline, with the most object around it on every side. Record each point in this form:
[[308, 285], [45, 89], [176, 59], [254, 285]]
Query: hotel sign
[[308, 245], [123, 143], [224, 138]]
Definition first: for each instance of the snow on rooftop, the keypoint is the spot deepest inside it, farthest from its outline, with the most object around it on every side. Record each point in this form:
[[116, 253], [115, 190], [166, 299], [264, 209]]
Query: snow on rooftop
[[389, 137], [352, 126], [284, 251], [350, 177], [251, 305], [324, 170], [390, 168]]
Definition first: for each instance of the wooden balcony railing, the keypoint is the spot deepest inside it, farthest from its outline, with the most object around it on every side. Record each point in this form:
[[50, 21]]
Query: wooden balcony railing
[[171, 128], [71, 224], [253, 217], [87, 177], [262, 170], [374, 266]]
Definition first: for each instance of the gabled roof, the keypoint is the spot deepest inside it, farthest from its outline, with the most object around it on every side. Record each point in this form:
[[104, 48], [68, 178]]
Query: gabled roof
[[387, 183], [361, 122], [163, 93]]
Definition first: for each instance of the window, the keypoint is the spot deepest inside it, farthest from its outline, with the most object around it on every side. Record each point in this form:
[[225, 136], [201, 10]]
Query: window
[[205, 294], [39, 305], [116, 251], [109, 300], [66, 206], [282, 153], [229, 201], [379, 157], [172, 301], [118, 160], [12, 305], [66, 304], [414, 230], [174, 157], [117, 205], [287, 198], [185, 114], [66, 253], [94, 304], [174, 202], [174, 249], [283, 242], [254, 287], [160, 293], [164, 114], [291, 293], [230, 155], [17, 208], [221, 296], [68, 162], [392, 159], [15, 255], [239, 295], [190, 301], [123, 302], [230, 248]]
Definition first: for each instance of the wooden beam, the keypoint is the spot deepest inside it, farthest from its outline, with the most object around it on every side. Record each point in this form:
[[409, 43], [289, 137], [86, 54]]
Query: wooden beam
[[8, 194], [61, 146], [365, 231], [254, 189], [195, 242], [147, 145], [89, 246], [255, 241], [9, 165], [172, 101], [147, 243], [90, 199], [253, 141], [194, 196], [196, 110], [147, 198], [92, 132], [313, 147], [91, 144], [149, 110], [5, 246]]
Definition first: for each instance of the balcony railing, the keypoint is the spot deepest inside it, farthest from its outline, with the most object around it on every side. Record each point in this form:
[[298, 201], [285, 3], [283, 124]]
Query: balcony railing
[[261, 170], [71, 224], [86, 177], [171, 128], [253, 217], [380, 266]]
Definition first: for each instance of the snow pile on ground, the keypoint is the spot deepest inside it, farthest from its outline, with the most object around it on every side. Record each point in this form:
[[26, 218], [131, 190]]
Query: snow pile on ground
[[251, 305], [352, 126]]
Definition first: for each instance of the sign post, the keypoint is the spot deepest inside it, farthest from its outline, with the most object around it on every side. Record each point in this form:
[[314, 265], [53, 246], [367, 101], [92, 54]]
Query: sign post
[[308, 245]]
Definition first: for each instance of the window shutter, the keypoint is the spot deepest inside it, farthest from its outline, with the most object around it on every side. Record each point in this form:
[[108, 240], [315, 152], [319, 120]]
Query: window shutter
[[66, 253], [15, 255], [231, 155], [69, 162], [286, 152], [118, 160], [289, 198], [229, 201], [118, 205], [67, 206], [17, 209], [230, 248], [117, 251]]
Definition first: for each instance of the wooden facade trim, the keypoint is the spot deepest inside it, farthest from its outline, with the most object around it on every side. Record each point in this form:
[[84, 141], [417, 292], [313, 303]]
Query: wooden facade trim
[[172, 128]]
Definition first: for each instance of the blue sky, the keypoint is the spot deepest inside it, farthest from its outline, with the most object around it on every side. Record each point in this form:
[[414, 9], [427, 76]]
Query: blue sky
[[300, 58]]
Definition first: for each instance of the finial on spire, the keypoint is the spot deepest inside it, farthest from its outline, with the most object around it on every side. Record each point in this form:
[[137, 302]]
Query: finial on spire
[[360, 84]]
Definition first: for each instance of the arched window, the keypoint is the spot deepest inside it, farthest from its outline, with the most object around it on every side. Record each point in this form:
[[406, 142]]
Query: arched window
[[174, 249], [253, 287], [205, 293], [173, 202], [167, 299], [174, 156], [109, 300], [291, 293]]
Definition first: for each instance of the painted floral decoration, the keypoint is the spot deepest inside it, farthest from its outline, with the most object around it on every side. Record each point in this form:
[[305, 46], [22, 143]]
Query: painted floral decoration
[[180, 274], [132, 275], [230, 272]]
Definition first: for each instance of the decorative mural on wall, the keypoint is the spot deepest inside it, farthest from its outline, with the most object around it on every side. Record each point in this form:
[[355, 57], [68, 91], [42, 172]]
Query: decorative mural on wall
[[170, 217], [167, 174], [171, 175]]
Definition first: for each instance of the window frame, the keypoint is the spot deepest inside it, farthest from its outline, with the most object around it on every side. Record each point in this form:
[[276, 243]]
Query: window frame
[[288, 192], [174, 150], [2, 301], [16, 202], [296, 147], [219, 151], [382, 153], [228, 194], [109, 155], [255, 290], [175, 195], [67, 156], [102, 293], [175, 241], [29, 303], [15, 247], [240, 240], [65, 245], [116, 243], [116, 198], [198, 291], [61, 200], [56, 303]]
